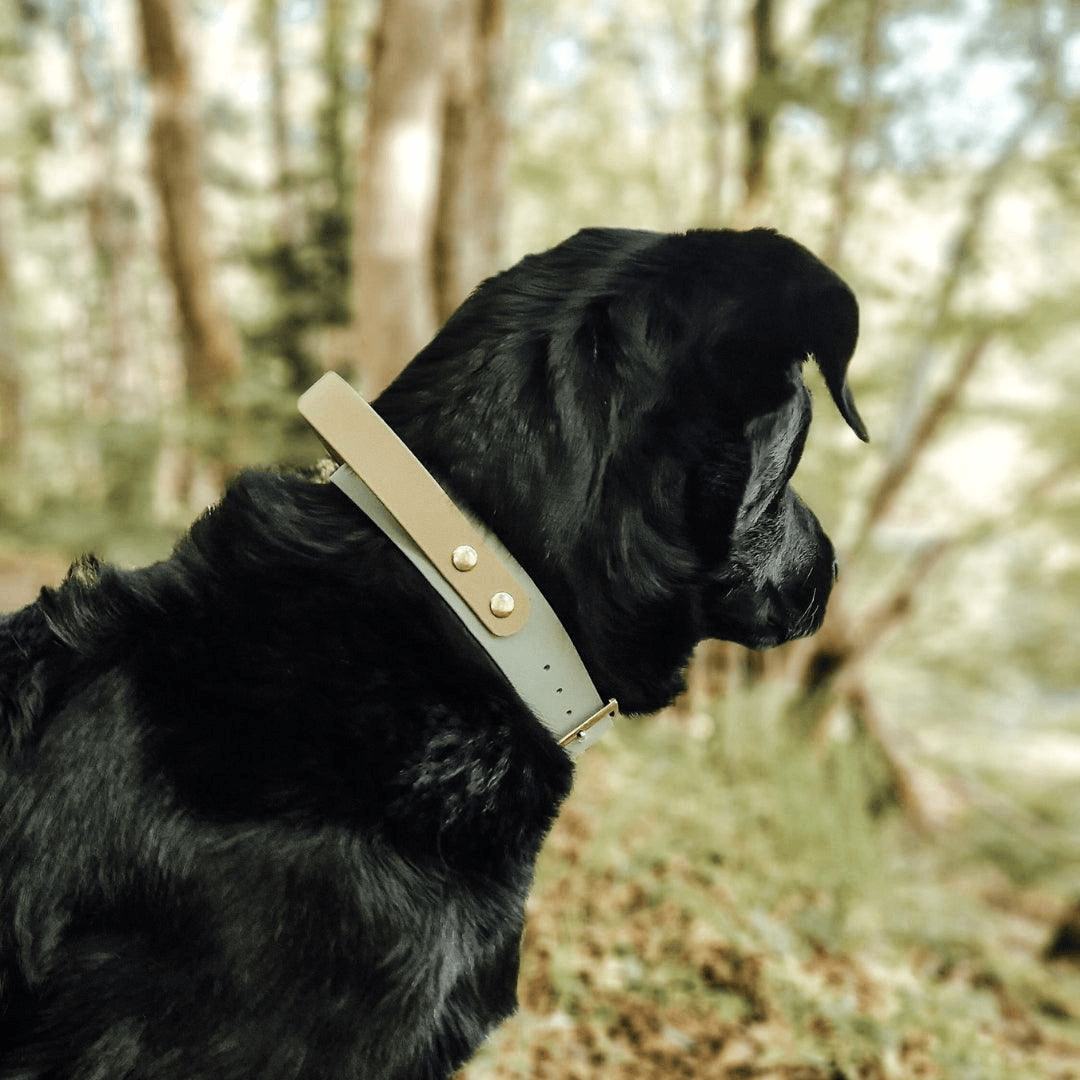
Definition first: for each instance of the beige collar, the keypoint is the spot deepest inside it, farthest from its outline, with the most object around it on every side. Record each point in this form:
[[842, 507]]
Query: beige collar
[[491, 594]]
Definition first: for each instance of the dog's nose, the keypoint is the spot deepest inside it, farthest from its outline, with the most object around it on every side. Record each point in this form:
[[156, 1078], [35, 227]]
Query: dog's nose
[[835, 569]]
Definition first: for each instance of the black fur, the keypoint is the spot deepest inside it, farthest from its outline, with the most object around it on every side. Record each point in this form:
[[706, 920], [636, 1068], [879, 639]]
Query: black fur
[[265, 809]]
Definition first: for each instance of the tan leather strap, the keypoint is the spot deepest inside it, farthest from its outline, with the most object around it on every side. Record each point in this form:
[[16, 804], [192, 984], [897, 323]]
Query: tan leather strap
[[356, 435], [541, 663]]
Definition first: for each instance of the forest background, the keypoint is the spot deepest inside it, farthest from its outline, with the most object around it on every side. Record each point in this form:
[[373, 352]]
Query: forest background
[[855, 856]]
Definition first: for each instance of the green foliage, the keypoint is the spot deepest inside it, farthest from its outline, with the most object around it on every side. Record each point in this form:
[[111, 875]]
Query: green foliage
[[309, 282]]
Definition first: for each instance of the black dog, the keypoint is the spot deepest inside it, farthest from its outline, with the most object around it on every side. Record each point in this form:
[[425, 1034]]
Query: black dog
[[266, 810]]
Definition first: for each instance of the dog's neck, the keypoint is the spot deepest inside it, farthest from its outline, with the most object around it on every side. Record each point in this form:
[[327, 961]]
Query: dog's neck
[[494, 598]]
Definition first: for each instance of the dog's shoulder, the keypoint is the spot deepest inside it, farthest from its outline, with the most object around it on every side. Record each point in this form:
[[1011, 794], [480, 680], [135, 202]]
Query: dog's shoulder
[[287, 661]]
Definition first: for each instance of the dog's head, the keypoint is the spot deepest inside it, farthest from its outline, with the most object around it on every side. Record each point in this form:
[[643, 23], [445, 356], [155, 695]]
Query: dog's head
[[626, 411]]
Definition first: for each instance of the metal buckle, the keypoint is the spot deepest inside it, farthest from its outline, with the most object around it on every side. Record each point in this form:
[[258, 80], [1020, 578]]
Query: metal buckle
[[610, 709]]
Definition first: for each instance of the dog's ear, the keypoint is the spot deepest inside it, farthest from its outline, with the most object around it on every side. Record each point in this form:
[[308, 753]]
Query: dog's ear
[[785, 297], [830, 314]]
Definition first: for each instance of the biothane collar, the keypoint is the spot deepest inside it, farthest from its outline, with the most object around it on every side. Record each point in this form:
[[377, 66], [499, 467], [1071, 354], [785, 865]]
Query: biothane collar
[[490, 593]]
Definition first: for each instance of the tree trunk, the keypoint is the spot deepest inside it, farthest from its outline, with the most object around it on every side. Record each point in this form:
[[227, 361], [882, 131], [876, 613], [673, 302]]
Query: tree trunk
[[856, 133], [715, 110], [111, 218], [212, 356], [962, 257], [398, 190], [11, 427], [762, 104], [472, 170], [432, 175], [288, 212], [332, 114]]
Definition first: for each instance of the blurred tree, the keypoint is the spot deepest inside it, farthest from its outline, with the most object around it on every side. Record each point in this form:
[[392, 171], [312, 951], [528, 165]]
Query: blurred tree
[[430, 191], [10, 374], [764, 98], [472, 168], [110, 211], [857, 126], [212, 356], [284, 181], [716, 111], [13, 133], [398, 190], [332, 115], [305, 257]]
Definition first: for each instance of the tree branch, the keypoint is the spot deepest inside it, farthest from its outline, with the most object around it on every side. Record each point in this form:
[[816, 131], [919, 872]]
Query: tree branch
[[860, 125], [899, 470]]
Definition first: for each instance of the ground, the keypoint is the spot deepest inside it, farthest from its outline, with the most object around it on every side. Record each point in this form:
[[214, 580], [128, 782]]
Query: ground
[[704, 910]]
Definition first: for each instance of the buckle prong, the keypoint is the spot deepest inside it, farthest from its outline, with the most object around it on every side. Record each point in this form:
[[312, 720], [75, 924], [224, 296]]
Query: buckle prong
[[610, 709]]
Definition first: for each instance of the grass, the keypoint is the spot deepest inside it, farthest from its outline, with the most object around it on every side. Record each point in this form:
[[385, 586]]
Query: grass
[[717, 901]]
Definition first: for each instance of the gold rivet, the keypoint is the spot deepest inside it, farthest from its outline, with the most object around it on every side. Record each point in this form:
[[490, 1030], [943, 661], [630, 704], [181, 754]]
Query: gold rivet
[[464, 557], [502, 605]]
